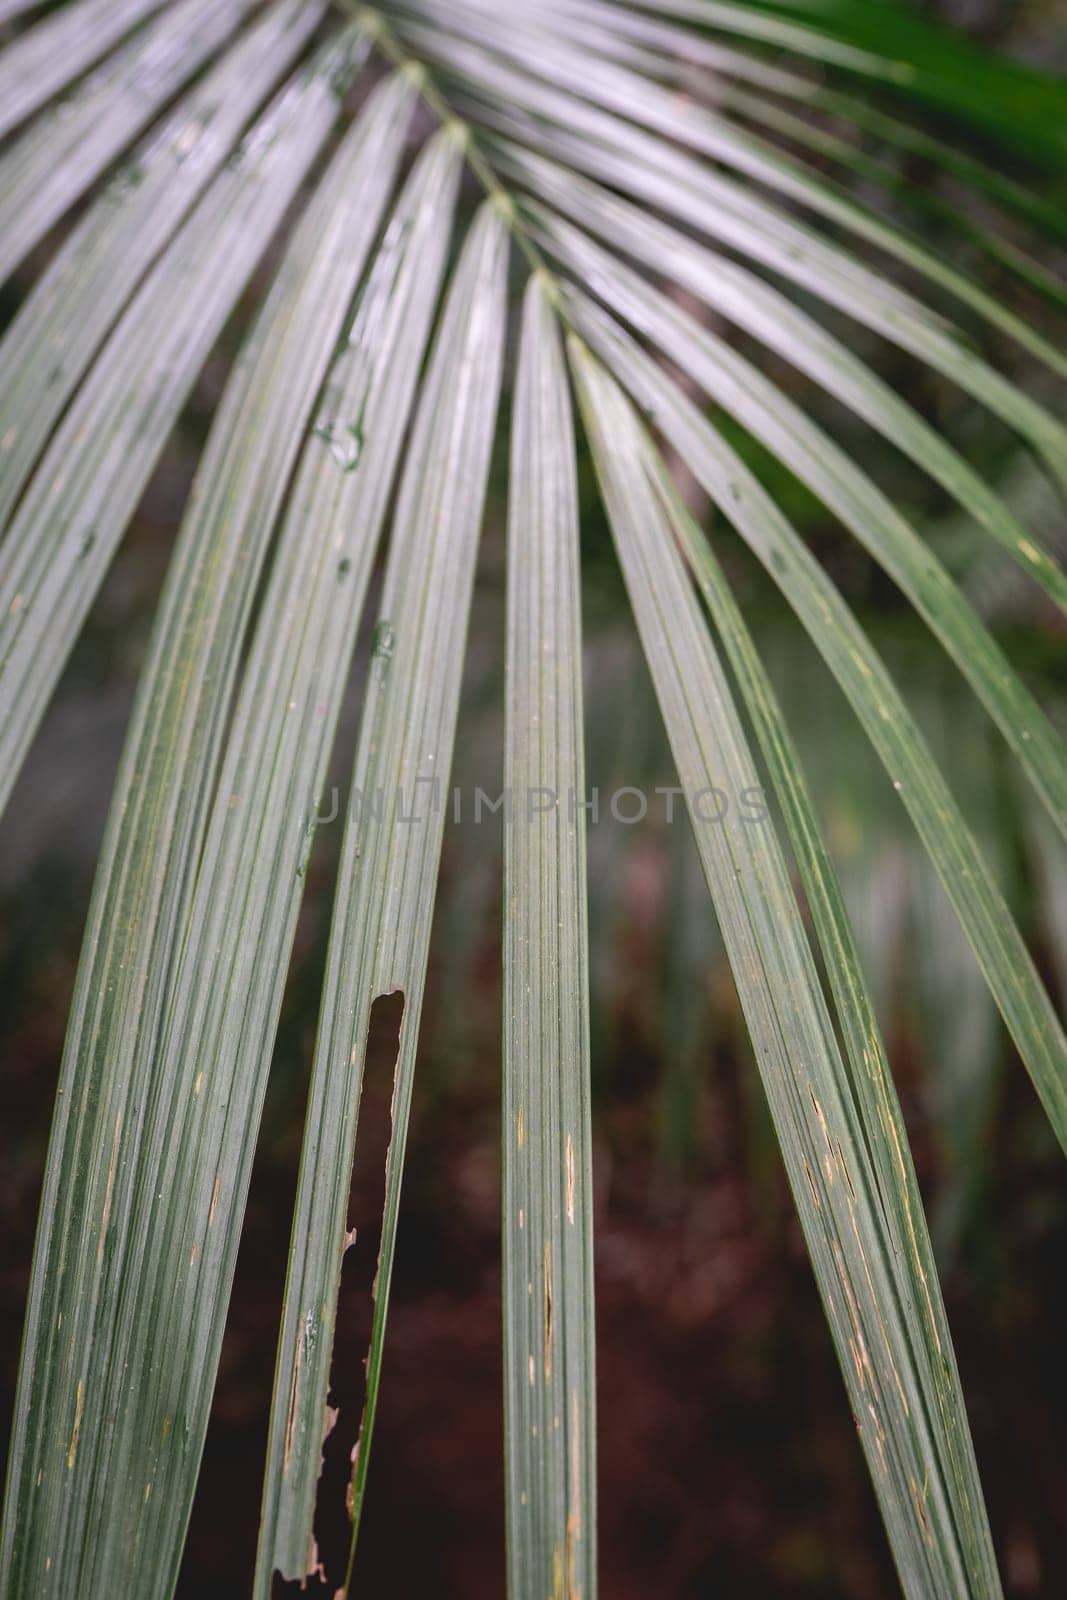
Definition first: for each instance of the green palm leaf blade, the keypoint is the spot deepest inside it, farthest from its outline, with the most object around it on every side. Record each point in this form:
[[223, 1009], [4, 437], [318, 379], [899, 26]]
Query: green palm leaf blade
[[694, 64], [1040, 212], [61, 322], [567, 78], [155, 114], [920, 197], [839, 1163], [665, 51], [380, 931], [848, 653], [896, 47], [637, 39], [646, 167], [49, 56], [547, 1163], [874, 1103], [1016, 102], [730, 380], [394, 315], [154, 1131], [762, 26], [56, 159], [65, 530], [769, 316]]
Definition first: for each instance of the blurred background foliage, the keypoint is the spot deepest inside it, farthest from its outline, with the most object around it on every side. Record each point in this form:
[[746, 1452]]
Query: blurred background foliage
[[728, 1461]]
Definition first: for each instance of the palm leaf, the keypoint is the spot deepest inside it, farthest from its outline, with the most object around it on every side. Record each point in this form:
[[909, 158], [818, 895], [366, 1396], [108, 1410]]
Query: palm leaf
[[668, 53], [924, 62], [568, 119], [762, 311], [61, 322], [615, 91], [665, 50], [730, 381], [905, 754], [629, 159], [377, 379], [381, 924], [53, 163], [62, 537], [162, 1070], [548, 1287], [42, 62], [857, 1201]]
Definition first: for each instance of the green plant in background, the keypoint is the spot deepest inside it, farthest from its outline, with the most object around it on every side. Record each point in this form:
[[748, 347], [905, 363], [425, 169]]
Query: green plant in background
[[676, 266]]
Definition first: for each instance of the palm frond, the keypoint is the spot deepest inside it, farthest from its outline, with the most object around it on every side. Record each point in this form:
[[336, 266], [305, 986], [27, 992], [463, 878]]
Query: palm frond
[[548, 1258], [377, 377], [638, 164], [666, 51], [856, 1199], [904, 752], [44, 61], [755, 306], [55, 160], [925, 63], [733, 383], [207, 124], [565, 91], [379, 938], [60, 325], [63, 534], [168, 1047]]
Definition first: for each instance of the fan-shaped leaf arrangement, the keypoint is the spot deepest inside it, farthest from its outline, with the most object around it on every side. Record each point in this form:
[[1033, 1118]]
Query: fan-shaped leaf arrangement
[[616, 155]]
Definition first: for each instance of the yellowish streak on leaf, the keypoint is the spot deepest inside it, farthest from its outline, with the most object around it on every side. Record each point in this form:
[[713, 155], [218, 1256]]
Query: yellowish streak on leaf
[[811, 1185], [79, 1406], [109, 1191], [290, 1425], [574, 1516]]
